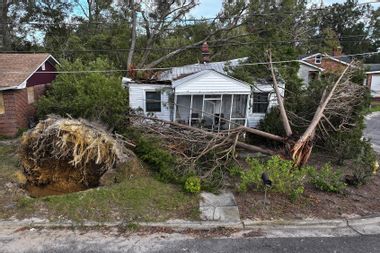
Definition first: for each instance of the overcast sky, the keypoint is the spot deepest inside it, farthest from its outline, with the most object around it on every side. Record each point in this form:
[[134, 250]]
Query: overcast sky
[[209, 8]]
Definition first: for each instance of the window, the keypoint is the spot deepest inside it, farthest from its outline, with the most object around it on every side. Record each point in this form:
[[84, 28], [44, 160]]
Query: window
[[30, 91], [260, 102], [318, 59], [2, 104], [43, 67], [153, 101], [313, 75]]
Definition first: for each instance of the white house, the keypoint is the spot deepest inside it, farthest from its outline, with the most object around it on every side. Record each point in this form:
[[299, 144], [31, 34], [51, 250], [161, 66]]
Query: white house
[[373, 80], [203, 95]]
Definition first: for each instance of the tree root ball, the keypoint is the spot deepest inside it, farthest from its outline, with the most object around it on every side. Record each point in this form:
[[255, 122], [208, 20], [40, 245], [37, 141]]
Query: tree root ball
[[70, 154]]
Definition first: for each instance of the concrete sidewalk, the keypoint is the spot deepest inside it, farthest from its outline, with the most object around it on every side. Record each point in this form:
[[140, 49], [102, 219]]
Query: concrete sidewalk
[[270, 229]]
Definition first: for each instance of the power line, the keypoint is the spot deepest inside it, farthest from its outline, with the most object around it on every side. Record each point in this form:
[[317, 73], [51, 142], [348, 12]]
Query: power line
[[211, 45], [185, 20], [169, 68]]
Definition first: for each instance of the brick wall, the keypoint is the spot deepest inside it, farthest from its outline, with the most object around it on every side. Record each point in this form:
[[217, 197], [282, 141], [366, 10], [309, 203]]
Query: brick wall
[[8, 125], [17, 109]]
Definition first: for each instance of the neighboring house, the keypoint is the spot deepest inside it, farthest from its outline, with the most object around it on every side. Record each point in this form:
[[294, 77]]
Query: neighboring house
[[22, 82], [204, 95], [373, 80], [311, 66]]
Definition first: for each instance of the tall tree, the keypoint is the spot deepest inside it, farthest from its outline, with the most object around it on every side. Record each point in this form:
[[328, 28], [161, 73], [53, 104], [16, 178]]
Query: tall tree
[[350, 21]]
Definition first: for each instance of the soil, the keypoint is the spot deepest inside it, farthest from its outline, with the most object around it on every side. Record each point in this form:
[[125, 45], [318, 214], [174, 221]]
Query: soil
[[363, 200], [53, 189]]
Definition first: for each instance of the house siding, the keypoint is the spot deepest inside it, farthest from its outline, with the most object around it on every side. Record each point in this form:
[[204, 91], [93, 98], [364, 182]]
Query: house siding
[[255, 118], [303, 73], [212, 83], [42, 78], [373, 82], [137, 99]]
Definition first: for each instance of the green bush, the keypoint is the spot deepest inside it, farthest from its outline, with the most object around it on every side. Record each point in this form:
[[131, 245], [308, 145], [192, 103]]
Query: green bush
[[365, 164], [326, 179], [94, 96], [285, 178], [160, 160], [193, 184]]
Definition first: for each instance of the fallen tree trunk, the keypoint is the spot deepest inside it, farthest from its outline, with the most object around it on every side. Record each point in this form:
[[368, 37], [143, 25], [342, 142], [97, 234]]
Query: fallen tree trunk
[[240, 144], [284, 116], [301, 150]]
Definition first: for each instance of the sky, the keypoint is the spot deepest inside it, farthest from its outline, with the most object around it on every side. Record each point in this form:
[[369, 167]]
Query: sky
[[209, 8]]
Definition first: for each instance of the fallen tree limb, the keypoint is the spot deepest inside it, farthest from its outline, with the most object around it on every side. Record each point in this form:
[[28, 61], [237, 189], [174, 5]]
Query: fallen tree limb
[[302, 148], [240, 144]]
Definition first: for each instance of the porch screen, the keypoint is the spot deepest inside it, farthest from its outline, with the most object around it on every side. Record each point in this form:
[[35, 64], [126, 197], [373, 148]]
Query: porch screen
[[153, 101]]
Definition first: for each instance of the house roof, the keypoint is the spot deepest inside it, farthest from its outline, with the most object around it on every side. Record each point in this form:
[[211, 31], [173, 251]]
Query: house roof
[[15, 69], [344, 59], [372, 67], [310, 65], [182, 71]]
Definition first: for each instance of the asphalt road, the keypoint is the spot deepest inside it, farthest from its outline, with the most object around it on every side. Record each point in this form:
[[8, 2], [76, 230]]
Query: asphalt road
[[306, 245], [367, 244], [372, 130]]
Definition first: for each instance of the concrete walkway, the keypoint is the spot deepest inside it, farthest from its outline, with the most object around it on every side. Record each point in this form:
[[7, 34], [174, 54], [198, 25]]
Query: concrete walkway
[[220, 207]]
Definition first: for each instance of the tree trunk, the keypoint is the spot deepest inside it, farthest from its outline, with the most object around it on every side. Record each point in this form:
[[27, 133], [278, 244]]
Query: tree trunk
[[302, 148], [133, 39], [284, 117]]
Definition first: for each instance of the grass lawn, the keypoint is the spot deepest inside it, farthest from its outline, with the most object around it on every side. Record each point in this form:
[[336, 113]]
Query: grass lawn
[[141, 198], [374, 108]]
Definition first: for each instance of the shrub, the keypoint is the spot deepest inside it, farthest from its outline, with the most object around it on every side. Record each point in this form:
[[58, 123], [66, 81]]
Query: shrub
[[365, 164], [326, 179], [193, 184], [94, 96], [285, 178], [160, 160]]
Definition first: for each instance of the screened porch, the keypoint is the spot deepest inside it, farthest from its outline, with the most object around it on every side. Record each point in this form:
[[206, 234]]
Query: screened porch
[[214, 112]]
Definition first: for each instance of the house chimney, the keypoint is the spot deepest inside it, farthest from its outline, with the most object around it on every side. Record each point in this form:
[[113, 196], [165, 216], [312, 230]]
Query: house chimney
[[337, 51], [205, 52]]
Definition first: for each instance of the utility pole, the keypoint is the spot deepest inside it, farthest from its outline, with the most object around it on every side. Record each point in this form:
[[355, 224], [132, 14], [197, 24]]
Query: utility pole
[[133, 39]]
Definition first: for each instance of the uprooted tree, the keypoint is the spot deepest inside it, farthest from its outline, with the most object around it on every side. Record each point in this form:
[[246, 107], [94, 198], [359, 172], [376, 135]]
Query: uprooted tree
[[70, 153]]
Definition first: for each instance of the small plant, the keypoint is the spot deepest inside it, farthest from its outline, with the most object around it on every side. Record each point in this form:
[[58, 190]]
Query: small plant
[[193, 184], [326, 179]]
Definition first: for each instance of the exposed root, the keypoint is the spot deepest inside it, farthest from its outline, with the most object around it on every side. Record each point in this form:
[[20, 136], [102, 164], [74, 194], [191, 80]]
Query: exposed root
[[68, 151]]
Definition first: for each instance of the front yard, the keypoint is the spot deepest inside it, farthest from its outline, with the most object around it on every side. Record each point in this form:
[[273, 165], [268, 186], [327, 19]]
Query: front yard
[[141, 198]]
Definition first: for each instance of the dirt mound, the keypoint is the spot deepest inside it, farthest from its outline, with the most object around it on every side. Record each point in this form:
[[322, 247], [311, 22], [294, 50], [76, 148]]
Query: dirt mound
[[70, 154]]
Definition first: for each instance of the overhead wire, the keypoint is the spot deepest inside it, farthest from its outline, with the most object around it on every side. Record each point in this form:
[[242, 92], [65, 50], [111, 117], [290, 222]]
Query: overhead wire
[[169, 68]]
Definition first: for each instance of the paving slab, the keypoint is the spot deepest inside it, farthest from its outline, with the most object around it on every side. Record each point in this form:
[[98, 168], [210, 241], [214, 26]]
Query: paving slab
[[367, 226], [221, 207]]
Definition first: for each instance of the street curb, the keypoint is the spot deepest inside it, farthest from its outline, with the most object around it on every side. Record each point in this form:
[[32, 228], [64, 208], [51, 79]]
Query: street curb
[[276, 228]]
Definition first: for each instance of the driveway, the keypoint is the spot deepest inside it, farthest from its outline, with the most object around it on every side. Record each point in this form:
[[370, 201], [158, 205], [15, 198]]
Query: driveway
[[372, 130]]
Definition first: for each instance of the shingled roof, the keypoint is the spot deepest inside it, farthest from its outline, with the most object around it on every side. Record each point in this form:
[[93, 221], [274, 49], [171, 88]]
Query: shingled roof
[[17, 68]]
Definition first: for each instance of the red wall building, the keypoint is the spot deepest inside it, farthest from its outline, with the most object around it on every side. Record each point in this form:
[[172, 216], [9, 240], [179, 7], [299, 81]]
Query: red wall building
[[23, 79]]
